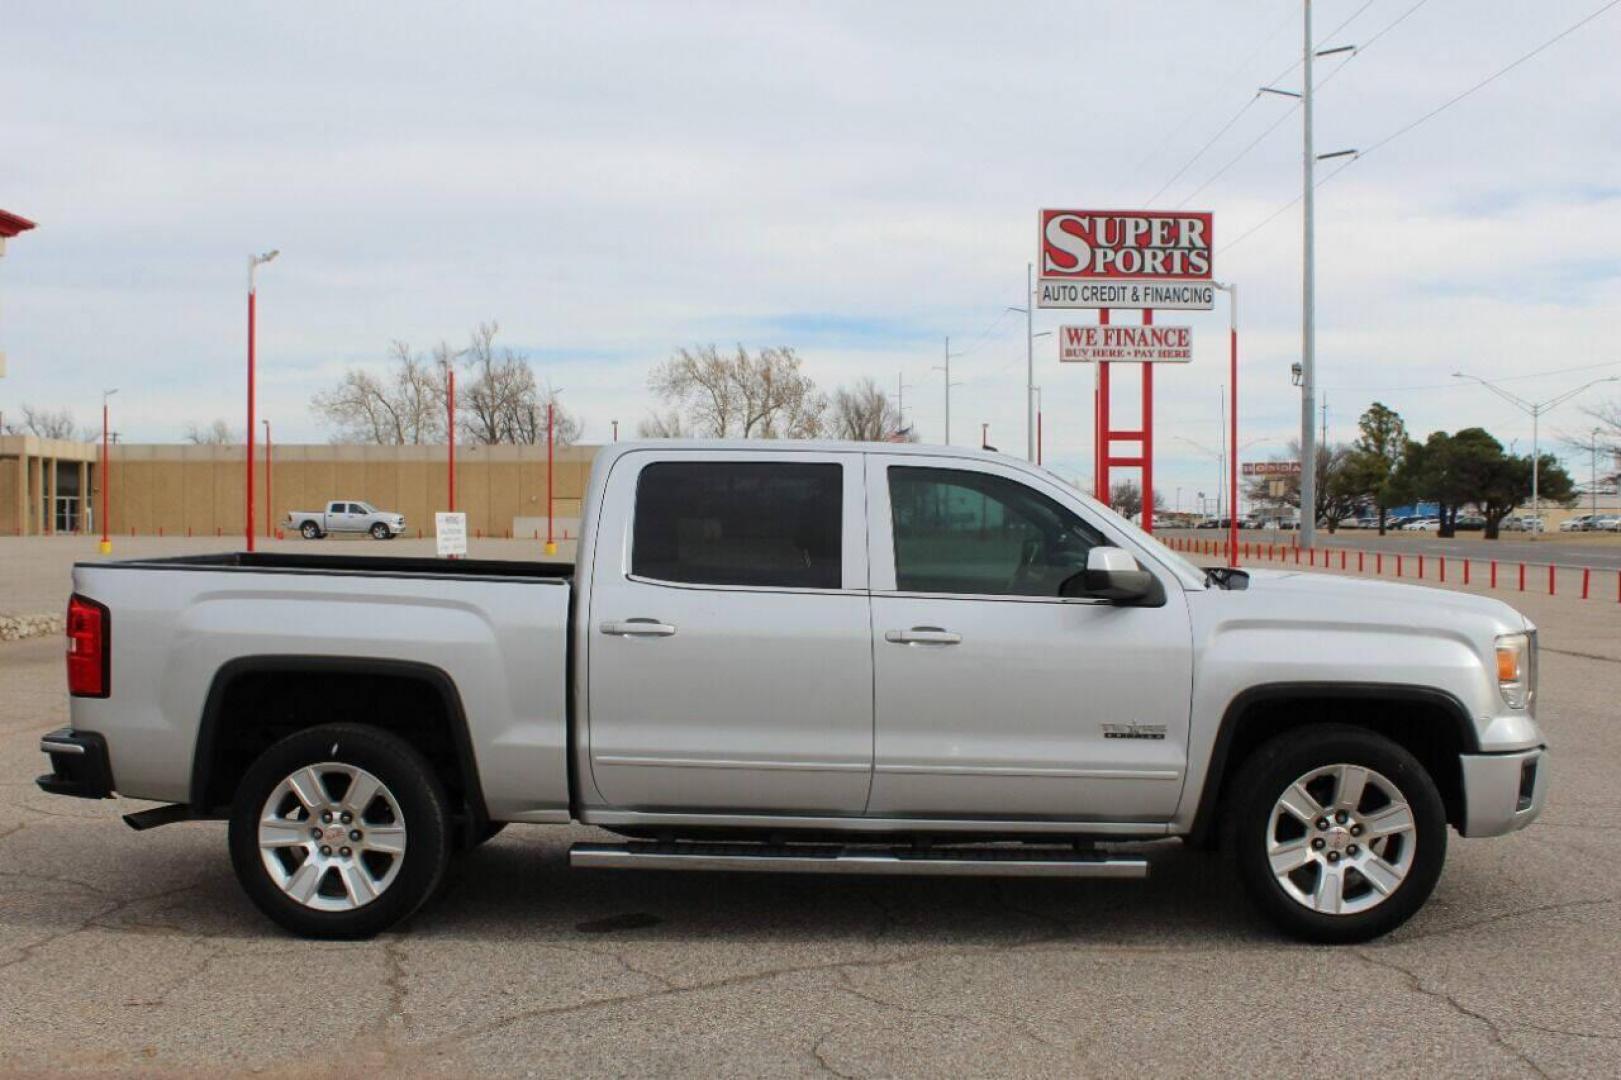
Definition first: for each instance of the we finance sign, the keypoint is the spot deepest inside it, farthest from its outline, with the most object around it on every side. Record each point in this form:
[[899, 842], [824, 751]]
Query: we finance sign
[[1126, 259], [1131, 344]]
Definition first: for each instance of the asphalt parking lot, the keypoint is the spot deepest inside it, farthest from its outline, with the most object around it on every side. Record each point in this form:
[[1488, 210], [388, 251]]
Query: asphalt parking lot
[[126, 952]]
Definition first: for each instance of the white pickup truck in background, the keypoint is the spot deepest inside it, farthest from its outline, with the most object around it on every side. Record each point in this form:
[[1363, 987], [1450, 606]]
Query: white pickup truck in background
[[346, 516], [825, 657]]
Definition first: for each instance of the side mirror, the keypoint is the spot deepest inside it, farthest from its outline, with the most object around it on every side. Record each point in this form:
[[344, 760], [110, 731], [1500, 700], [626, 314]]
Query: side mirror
[[1112, 574]]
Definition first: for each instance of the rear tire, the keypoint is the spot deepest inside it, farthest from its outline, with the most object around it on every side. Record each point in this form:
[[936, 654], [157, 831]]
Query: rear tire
[[1338, 834], [382, 849], [310, 531]]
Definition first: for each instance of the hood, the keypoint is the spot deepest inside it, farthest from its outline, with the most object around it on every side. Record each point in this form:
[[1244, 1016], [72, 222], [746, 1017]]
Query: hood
[[1328, 595]]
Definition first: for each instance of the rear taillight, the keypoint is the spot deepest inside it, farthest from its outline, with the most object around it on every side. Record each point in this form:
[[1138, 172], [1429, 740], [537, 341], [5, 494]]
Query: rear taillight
[[89, 648]]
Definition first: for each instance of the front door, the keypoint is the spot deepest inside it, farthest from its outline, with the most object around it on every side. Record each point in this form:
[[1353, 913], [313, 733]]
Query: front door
[[730, 656], [994, 696]]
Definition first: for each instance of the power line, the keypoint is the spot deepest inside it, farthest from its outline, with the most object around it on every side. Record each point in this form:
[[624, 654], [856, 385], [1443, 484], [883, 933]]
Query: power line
[[1200, 152], [1493, 77], [1403, 130], [1219, 173], [1245, 108], [1454, 385], [1223, 83]]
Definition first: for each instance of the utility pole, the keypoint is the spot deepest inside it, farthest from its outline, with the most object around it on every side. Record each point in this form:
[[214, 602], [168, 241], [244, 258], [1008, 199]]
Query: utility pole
[[1308, 281], [1592, 483], [1308, 311]]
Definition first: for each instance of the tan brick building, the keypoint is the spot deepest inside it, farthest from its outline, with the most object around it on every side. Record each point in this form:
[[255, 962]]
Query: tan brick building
[[181, 489]]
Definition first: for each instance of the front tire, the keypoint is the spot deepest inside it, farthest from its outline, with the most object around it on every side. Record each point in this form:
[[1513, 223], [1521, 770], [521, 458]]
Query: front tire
[[379, 531], [340, 831], [1338, 833]]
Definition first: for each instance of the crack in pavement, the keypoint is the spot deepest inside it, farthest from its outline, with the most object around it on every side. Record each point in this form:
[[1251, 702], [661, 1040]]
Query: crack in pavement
[[89, 922], [821, 1059], [1543, 909], [1011, 1024], [1415, 983]]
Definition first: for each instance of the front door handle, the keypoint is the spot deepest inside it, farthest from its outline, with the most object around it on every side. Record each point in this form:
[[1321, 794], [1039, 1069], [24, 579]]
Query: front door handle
[[923, 635], [637, 628]]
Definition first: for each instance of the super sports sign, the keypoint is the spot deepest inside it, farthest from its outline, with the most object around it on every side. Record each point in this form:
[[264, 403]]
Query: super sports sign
[[1125, 259]]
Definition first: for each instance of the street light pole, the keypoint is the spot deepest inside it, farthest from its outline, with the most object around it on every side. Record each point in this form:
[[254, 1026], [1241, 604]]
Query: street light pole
[[1592, 483], [1231, 289], [1534, 409], [106, 475], [253, 266], [949, 384], [268, 499]]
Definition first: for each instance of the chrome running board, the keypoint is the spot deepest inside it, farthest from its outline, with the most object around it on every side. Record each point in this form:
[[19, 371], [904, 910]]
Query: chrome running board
[[835, 859]]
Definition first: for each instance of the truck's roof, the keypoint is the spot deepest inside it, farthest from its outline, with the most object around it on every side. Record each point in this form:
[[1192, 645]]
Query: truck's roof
[[789, 446]]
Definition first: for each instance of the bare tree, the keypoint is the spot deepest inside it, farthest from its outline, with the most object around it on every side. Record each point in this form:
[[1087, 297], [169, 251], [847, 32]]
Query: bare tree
[[864, 413], [218, 433], [1126, 499], [403, 406], [665, 425], [764, 396], [505, 403], [47, 423]]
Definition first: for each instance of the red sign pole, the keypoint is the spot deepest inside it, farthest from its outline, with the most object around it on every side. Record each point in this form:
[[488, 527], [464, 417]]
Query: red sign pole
[[1148, 435]]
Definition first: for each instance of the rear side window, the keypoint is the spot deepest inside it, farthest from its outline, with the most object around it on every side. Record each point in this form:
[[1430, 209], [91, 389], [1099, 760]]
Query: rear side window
[[740, 523]]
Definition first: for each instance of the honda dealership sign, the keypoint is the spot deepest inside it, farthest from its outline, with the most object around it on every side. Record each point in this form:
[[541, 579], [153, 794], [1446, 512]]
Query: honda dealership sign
[[1131, 344], [1125, 259]]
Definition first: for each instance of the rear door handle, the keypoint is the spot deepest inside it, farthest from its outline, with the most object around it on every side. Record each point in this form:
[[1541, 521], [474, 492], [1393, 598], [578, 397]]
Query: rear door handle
[[923, 635], [637, 628]]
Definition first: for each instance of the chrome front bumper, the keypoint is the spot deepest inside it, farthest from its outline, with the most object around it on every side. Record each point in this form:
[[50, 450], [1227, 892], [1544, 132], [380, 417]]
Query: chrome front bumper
[[1503, 793]]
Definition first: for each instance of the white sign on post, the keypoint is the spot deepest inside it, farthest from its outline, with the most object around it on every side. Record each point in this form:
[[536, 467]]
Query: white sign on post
[[450, 532], [1131, 344]]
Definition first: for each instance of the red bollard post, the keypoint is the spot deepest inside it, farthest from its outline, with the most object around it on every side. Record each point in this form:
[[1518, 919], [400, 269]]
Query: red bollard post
[[1342, 558], [1494, 573], [1443, 562], [1359, 563], [1398, 566], [1466, 571], [1586, 575], [1379, 563], [1550, 579], [1421, 568], [1522, 577]]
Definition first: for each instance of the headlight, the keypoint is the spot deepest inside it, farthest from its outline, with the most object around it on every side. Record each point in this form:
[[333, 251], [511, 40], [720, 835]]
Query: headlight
[[1517, 669]]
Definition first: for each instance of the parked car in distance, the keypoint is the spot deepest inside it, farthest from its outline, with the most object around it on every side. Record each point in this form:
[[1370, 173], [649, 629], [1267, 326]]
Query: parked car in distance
[[1607, 523], [1582, 523], [1422, 525], [347, 516], [1469, 523], [1524, 523]]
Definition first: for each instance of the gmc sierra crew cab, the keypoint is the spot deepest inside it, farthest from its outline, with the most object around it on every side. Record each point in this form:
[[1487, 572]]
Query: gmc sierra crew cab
[[823, 657]]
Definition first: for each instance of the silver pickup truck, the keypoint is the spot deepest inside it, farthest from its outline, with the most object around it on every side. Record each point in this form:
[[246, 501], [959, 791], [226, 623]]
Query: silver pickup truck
[[825, 657], [346, 516]]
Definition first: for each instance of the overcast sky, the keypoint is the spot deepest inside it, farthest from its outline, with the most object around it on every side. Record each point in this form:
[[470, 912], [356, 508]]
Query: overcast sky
[[612, 180]]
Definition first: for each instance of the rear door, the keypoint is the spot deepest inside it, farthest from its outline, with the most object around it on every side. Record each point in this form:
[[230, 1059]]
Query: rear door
[[730, 657], [341, 517], [994, 696]]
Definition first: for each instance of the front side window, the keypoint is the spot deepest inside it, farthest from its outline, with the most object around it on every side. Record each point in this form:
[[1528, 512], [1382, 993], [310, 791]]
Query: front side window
[[972, 533], [740, 523]]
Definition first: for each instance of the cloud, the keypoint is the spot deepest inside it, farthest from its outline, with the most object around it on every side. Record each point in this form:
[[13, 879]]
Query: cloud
[[612, 181]]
